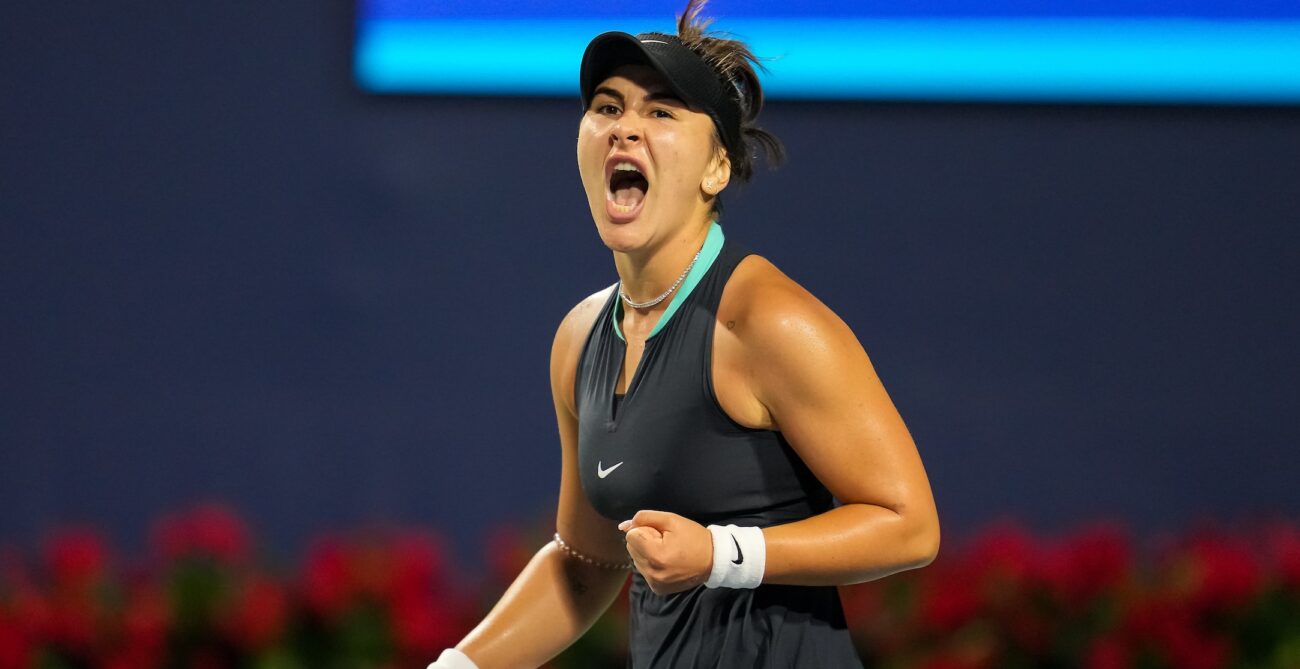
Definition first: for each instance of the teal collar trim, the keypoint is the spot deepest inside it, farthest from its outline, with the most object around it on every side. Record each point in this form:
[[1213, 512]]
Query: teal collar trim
[[708, 253]]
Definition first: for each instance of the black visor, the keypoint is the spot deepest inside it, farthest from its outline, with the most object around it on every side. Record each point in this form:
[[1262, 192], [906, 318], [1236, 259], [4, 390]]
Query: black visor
[[687, 74]]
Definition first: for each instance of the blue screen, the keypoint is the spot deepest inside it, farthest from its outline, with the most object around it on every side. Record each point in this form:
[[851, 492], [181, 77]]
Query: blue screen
[[1197, 51]]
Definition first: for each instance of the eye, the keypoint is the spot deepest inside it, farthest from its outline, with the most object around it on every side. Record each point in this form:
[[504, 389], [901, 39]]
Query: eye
[[662, 113], [607, 108]]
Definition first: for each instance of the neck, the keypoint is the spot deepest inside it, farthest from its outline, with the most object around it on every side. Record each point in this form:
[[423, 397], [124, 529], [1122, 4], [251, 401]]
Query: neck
[[647, 275]]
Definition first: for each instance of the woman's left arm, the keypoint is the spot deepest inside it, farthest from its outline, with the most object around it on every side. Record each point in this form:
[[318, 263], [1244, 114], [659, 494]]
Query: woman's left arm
[[810, 373], [814, 377]]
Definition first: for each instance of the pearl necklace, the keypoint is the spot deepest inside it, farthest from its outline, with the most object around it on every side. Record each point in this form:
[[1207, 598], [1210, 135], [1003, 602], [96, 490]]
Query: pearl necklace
[[657, 300]]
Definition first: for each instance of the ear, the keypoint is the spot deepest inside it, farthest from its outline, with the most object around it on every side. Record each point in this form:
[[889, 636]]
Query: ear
[[718, 174]]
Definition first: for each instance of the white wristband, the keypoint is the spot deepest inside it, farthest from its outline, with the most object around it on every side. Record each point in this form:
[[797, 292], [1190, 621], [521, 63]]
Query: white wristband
[[739, 557], [453, 659]]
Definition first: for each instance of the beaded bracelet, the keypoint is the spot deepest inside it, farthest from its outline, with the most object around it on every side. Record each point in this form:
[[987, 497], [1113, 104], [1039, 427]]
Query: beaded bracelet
[[595, 563]]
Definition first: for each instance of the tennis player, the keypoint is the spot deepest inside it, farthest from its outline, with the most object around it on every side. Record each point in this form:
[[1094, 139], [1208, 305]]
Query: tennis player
[[724, 436]]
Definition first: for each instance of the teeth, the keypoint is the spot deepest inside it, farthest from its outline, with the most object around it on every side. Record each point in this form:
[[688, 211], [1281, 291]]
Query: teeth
[[626, 167]]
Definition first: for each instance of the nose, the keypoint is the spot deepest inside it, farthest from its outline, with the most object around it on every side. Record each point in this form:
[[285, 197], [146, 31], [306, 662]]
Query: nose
[[625, 131]]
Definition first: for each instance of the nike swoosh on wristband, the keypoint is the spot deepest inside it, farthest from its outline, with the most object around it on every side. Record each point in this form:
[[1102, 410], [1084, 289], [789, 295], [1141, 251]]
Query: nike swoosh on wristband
[[602, 473], [740, 556]]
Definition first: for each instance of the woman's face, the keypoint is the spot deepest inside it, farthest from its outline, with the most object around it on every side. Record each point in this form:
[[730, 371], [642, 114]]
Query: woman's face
[[649, 164]]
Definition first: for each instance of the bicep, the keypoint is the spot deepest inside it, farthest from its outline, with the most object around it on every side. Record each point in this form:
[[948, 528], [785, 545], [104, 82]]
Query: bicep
[[832, 407], [581, 526]]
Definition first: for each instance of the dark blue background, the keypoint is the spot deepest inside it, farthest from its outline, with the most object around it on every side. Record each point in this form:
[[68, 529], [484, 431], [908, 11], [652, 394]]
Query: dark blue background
[[226, 273]]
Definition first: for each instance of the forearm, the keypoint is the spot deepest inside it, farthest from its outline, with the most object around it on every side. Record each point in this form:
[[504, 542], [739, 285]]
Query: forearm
[[848, 544], [553, 602]]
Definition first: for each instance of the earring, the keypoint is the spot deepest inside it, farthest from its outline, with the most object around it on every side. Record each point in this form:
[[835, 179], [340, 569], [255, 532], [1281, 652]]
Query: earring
[[708, 185]]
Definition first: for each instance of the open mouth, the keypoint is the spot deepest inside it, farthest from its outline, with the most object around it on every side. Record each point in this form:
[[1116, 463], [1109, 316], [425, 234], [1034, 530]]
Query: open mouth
[[627, 187]]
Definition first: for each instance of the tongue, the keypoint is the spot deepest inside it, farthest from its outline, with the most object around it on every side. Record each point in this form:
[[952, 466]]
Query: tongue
[[628, 196]]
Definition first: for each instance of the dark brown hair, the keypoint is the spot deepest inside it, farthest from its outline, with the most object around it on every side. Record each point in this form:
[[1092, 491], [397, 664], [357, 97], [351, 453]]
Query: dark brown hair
[[735, 63]]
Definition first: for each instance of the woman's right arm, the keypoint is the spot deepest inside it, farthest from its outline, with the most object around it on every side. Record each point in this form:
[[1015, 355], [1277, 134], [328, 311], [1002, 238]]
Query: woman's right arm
[[556, 598]]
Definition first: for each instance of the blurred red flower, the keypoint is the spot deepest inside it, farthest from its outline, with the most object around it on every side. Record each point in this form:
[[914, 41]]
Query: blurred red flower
[[15, 644], [986, 577], [1284, 550], [422, 628], [1171, 629], [1005, 552], [1087, 564], [327, 581], [76, 557], [210, 530], [259, 614], [419, 565], [31, 612], [1226, 575], [146, 621], [948, 601]]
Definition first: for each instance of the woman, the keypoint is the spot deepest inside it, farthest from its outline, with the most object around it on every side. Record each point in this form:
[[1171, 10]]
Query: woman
[[706, 401]]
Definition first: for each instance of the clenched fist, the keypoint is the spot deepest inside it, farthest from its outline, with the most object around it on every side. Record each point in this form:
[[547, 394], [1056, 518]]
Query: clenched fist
[[672, 552]]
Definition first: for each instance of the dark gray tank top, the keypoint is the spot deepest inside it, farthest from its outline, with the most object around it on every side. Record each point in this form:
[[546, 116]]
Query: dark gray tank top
[[669, 446]]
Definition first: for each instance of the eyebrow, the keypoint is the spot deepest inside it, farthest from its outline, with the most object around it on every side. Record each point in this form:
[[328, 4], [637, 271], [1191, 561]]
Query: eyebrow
[[653, 96]]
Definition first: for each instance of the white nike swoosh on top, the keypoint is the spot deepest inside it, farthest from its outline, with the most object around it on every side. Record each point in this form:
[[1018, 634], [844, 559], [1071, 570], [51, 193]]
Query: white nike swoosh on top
[[602, 473]]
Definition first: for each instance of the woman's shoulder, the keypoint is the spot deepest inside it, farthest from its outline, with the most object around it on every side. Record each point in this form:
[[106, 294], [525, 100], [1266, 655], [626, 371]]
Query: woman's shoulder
[[581, 317], [569, 338], [770, 311], [757, 288]]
